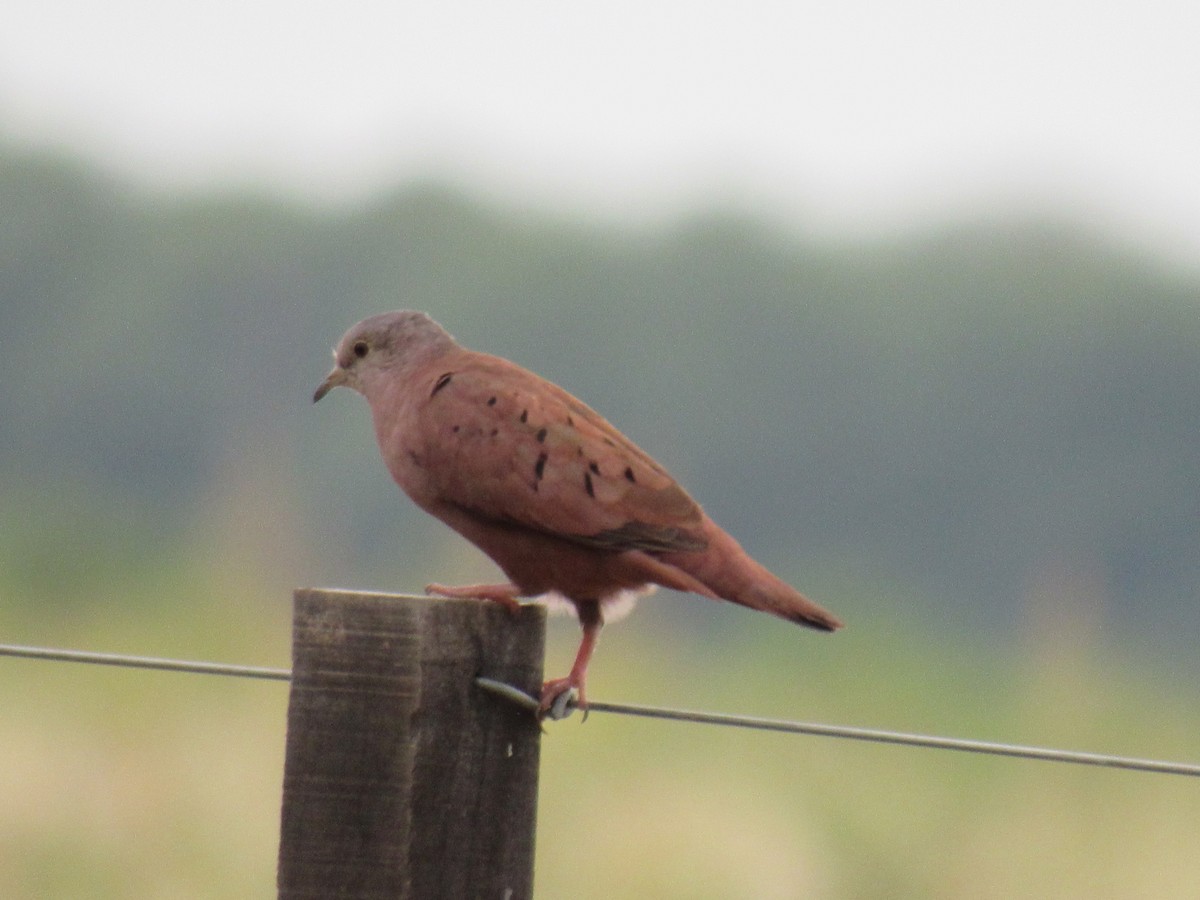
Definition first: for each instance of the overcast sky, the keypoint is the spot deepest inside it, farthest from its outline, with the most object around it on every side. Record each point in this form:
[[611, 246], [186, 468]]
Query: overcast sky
[[859, 114]]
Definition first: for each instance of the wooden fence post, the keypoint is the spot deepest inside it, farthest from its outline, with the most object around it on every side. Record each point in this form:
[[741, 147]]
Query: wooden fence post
[[401, 778]]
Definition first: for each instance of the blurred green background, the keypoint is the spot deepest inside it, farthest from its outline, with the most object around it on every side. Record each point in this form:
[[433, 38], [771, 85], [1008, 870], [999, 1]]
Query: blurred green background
[[976, 442]]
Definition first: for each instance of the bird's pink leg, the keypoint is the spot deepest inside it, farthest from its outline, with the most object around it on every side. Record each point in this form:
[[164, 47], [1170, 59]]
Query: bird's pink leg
[[591, 621], [504, 594]]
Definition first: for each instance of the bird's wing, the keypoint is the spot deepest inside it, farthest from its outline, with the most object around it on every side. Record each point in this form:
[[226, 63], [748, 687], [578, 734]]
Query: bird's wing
[[503, 443]]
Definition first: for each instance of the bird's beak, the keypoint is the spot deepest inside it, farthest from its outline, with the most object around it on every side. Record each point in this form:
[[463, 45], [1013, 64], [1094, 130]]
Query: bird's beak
[[335, 378]]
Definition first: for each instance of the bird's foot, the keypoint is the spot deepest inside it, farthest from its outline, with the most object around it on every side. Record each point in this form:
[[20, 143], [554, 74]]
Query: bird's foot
[[561, 697], [504, 594]]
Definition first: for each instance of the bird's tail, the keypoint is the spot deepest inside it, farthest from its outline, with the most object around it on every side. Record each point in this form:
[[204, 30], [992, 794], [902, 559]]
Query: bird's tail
[[772, 595], [732, 574]]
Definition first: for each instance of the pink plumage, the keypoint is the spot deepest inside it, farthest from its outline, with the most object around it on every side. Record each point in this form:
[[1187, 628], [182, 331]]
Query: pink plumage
[[553, 493]]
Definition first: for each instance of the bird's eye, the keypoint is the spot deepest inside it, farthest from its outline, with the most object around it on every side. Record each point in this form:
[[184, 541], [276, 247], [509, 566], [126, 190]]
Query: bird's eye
[[360, 349]]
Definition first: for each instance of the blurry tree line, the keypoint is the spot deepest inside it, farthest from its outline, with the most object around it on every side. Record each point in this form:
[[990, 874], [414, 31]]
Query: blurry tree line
[[960, 410]]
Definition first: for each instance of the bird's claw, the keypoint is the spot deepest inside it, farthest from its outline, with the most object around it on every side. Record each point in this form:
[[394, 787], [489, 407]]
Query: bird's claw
[[504, 594], [560, 698]]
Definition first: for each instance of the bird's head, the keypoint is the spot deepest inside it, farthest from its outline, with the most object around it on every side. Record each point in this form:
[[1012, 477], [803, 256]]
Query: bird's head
[[387, 344]]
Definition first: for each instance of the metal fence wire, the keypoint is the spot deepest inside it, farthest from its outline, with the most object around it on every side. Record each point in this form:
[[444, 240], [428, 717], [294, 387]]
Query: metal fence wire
[[510, 694]]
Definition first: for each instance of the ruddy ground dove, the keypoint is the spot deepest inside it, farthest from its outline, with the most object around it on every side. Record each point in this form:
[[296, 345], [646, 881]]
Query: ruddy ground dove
[[554, 494]]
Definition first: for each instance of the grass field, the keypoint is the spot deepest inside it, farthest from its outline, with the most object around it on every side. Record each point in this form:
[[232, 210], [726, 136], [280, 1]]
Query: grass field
[[120, 784]]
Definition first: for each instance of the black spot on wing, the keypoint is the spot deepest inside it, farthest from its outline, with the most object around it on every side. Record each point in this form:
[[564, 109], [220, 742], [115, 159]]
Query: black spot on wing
[[541, 435], [491, 401], [524, 416], [595, 467], [539, 468], [587, 484], [629, 475]]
